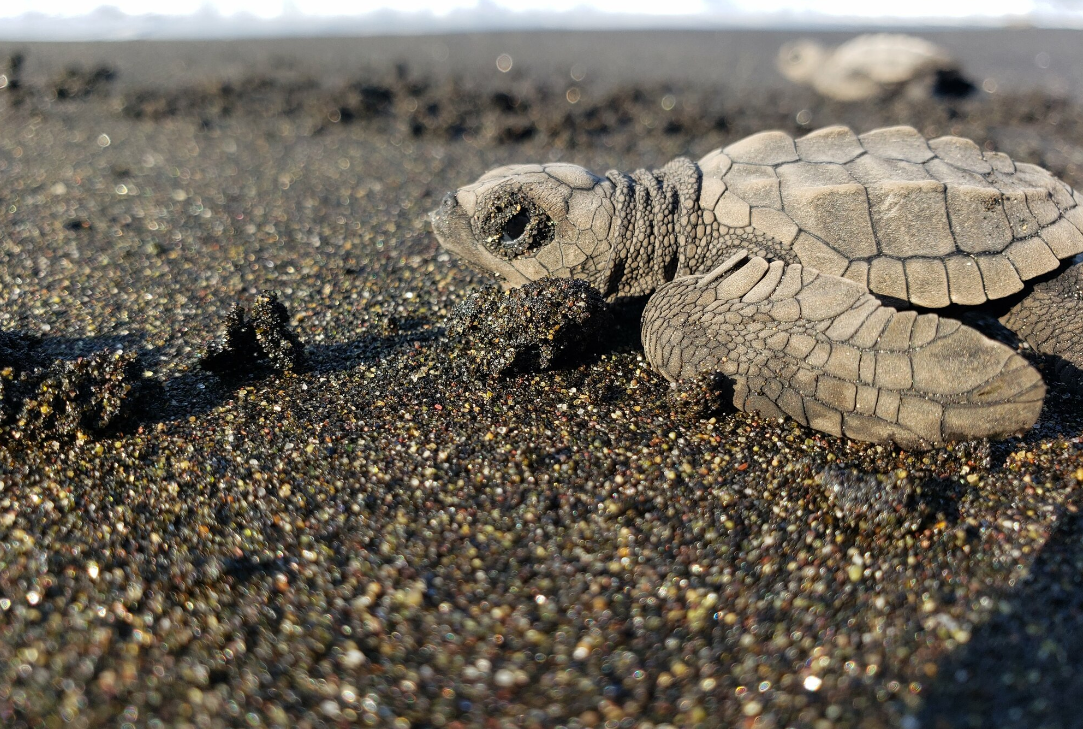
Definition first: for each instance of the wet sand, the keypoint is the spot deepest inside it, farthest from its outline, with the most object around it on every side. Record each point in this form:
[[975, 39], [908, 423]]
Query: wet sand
[[381, 540]]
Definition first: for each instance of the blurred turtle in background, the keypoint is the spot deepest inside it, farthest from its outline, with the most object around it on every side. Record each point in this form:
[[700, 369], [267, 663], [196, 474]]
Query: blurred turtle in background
[[873, 65]]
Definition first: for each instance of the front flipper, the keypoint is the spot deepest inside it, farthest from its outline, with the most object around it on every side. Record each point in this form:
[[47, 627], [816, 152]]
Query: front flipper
[[1050, 319], [824, 351]]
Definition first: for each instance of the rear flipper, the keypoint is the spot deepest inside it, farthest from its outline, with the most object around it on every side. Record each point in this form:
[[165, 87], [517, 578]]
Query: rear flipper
[[824, 351], [1050, 319]]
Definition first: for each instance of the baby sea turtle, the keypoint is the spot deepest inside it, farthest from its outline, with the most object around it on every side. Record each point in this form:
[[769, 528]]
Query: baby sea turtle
[[871, 65], [820, 275]]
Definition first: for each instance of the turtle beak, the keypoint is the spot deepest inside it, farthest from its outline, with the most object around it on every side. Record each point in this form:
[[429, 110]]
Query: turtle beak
[[442, 215], [452, 227]]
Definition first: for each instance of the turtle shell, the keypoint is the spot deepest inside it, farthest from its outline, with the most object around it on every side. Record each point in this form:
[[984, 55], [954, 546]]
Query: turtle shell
[[888, 58], [935, 222]]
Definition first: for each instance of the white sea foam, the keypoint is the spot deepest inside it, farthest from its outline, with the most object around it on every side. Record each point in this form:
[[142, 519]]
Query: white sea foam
[[129, 19]]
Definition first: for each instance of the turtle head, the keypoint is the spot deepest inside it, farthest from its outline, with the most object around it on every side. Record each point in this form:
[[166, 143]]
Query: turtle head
[[798, 60], [526, 222]]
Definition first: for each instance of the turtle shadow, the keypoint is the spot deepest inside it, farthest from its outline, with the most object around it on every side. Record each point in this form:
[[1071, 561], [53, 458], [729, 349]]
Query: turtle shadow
[[1024, 666], [333, 357], [24, 350], [1066, 375], [197, 391], [1060, 374], [194, 391]]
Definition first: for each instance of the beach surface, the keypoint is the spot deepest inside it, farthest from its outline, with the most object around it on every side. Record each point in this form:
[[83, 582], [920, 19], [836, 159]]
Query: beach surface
[[380, 538]]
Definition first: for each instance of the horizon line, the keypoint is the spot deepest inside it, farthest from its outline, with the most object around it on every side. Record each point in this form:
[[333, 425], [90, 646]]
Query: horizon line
[[108, 23]]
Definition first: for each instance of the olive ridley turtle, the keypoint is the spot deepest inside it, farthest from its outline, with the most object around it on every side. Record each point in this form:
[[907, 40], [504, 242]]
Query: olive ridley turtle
[[871, 65], [820, 275]]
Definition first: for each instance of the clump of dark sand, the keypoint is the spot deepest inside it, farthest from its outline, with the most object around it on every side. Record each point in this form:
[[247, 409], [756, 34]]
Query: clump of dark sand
[[11, 73], [264, 341], [215, 101], [531, 328], [85, 395], [417, 105], [79, 83]]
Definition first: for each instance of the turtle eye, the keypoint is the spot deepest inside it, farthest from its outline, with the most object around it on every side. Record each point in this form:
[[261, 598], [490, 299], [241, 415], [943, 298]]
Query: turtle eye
[[512, 225], [516, 226]]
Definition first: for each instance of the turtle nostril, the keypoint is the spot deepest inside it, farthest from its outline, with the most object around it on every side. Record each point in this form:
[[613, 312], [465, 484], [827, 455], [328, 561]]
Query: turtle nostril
[[448, 204]]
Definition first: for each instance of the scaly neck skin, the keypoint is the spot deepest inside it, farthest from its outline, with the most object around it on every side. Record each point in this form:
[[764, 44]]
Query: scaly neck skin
[[656, 213]]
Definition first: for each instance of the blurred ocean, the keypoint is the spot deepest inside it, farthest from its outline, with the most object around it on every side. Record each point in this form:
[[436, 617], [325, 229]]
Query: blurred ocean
[[203, 19]]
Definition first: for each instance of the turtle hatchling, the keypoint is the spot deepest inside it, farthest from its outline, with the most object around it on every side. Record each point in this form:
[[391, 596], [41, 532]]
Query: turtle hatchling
[[871, 65], [822, 276]]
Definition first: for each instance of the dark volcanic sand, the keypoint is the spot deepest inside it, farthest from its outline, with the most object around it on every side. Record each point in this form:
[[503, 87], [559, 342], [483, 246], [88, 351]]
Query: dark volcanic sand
[[377, 541]]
